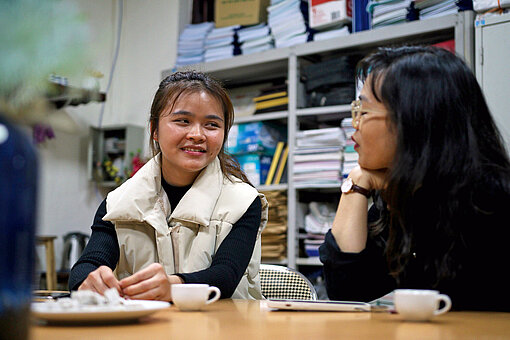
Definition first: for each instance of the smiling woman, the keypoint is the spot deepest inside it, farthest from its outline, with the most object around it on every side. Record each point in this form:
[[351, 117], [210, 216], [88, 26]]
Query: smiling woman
[[189, 215], [190, 137]]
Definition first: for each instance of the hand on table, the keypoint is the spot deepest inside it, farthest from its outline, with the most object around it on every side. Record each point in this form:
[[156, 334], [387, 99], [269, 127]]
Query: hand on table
[[101, 280], [151, 283]]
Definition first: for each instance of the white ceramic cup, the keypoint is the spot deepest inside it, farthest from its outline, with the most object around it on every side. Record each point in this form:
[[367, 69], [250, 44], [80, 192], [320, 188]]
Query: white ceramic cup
[[193, 296], [420, 304]]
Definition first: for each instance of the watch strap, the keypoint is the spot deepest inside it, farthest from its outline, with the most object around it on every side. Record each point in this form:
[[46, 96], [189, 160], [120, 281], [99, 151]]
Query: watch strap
[[361, 190]]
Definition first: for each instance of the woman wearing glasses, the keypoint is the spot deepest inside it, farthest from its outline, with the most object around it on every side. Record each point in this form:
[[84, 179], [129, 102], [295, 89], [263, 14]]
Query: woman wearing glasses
[[432, 158]]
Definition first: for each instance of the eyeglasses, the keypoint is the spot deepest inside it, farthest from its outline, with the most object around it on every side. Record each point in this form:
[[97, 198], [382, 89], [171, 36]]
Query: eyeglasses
[[357, 110]]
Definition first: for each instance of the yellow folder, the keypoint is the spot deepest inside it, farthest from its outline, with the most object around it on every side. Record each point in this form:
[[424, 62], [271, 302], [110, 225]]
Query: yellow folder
[[281, 166], [274, 162]]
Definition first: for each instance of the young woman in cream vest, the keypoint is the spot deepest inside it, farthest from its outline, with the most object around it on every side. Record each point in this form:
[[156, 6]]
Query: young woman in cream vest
[[187, 216]]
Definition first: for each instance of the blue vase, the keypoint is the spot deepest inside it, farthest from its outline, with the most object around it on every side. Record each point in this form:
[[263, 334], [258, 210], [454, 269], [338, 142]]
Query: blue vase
[[18, 191]]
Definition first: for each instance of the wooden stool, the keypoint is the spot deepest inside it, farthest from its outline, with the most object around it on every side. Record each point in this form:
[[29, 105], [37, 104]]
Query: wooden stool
[[51, 272]]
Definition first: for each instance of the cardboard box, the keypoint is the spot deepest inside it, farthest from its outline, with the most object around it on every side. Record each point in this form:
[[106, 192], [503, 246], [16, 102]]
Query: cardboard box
[[260, 137], [255, 166], [327, 13], [239, 12]]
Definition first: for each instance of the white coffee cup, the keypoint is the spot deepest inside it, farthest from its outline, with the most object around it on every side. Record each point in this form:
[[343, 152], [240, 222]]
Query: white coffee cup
[[420, 304], [193, 296]]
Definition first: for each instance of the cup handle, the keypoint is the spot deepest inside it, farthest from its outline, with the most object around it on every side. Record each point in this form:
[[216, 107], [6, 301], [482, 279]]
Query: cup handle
[[448, 304], [216, 296]]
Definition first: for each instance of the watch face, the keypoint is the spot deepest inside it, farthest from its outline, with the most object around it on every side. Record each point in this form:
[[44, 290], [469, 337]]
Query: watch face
[[346, 185]]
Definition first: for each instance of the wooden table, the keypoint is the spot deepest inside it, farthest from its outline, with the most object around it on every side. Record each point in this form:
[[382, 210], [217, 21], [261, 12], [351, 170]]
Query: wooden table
[[245, 320]]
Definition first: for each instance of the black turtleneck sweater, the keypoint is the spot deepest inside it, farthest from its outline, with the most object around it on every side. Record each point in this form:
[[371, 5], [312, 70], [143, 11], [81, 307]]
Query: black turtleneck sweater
[[228, 264]]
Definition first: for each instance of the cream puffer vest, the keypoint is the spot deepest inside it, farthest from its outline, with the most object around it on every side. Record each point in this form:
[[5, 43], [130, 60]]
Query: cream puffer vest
[[183, 239]]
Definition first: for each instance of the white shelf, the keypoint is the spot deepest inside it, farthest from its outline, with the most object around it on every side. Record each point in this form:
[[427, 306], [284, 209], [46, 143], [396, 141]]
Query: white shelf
[[244, 68], [273, 187], [313, 111], [262, 117], [420, 30], [317, 186], [278, 262], [308, 261]]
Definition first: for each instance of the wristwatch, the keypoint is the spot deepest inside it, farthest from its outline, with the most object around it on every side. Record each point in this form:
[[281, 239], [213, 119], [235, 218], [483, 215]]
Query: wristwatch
[[349, 186]]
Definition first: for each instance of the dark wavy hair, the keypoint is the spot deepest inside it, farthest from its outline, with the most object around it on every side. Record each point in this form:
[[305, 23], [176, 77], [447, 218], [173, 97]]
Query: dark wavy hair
[[448, 151], [179, 83]]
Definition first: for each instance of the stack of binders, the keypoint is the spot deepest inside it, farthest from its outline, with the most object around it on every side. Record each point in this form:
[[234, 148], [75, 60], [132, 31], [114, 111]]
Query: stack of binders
[[274, 98]]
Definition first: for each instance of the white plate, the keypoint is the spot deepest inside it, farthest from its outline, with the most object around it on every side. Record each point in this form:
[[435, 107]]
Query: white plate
[[133, 310]]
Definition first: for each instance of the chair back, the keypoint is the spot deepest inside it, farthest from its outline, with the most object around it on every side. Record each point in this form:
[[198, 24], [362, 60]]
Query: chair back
[[279, 282]]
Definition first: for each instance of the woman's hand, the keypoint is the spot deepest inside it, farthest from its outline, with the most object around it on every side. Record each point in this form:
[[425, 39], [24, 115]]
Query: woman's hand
[[369, 179], [151, 283], [101, 280], [350, 225]]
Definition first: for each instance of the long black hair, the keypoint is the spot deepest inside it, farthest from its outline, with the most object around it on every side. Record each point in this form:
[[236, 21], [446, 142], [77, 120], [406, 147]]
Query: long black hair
[[448, 151]]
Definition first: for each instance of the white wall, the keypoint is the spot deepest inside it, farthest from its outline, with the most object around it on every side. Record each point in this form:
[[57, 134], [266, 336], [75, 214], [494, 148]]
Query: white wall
[[67, 199]]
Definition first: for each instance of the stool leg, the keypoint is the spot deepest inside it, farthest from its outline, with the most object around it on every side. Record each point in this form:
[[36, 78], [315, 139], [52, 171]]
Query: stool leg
[[51, 273]]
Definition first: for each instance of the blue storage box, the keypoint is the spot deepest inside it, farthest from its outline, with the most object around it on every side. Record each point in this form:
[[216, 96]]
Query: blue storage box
[[260, 137], [256, 167]]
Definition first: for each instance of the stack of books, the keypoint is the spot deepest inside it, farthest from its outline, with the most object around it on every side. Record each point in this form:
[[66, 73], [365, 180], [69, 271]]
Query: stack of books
[[435, 8], [388, 12], [220, 43], [274, 236], [318, 156], [190, 48], [254, 39], [287, 22], [350, 156], [273, 98]]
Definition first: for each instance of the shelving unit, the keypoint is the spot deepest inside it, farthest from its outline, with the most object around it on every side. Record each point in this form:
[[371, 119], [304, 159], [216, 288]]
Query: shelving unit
[[288, 62], [492, 40], [63, 95], [116, 144], [279, 115]]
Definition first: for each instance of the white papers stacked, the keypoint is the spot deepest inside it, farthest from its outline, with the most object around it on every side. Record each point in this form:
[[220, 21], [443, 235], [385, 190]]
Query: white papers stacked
[[287, 22], [318, 156], [350, 159], [482, 6], [190, 48], [255, 39], [340, 32], [388, 12], [274, 236], [219, 43], [435, 8], [242, 98]]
